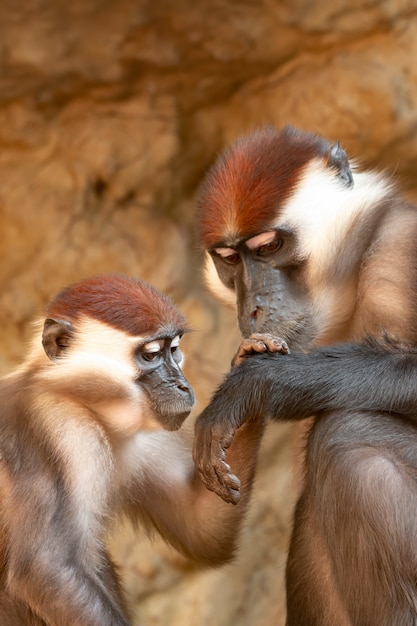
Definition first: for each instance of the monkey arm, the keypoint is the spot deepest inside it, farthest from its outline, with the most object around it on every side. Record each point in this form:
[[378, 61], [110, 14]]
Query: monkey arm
[[238, 401], [369, 376], [173, 499]]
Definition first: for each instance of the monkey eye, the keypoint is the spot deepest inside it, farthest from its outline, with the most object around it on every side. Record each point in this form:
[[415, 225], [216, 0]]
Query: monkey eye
[[269, 248], [233, 259], [228, 255], [265, 243], [150, 351], [150, 356]]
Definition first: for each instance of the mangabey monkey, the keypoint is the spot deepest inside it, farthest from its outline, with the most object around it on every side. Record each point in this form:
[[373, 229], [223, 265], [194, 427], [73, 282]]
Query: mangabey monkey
[[316, 253], [84, 435]]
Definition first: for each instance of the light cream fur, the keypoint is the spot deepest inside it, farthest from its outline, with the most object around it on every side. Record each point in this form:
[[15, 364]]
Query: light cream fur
[[213, 282], [321, 211], [101, 353]]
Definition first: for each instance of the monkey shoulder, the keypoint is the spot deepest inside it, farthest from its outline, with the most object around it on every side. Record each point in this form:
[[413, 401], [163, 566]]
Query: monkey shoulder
[[37, 425]]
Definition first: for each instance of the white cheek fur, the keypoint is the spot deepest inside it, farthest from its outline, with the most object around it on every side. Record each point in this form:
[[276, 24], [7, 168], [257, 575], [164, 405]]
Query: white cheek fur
[[127, 417], [216, 286], [101, 353], [322, 210]]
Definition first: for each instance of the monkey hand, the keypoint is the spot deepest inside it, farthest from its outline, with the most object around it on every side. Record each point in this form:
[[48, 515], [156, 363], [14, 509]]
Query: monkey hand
[[259, 342], [210, 446]]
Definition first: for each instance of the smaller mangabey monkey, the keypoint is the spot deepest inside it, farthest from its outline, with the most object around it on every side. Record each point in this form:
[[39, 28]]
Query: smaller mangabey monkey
[[85, 435]]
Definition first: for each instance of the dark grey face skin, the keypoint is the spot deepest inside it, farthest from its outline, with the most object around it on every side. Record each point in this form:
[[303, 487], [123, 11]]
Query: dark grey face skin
[[171, 395], [268, 301], [270, 294]]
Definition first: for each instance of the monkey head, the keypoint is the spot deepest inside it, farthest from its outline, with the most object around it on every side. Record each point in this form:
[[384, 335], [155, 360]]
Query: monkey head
[[113, 342], [284, 222]]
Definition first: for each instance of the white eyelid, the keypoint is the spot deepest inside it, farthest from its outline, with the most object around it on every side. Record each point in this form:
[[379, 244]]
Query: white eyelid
[[224, 252], [260, 240], [175, 342], [153, 346]]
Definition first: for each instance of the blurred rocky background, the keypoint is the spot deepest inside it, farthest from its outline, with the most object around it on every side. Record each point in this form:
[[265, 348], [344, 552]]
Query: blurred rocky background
[[110, 113]]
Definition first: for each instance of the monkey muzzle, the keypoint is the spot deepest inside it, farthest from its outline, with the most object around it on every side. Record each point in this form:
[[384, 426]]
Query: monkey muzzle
[[171, 395], [268, 301]]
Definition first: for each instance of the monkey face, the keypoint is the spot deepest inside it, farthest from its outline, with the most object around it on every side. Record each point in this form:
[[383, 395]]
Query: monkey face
[[265, 273], [170, 395], [130, 383]]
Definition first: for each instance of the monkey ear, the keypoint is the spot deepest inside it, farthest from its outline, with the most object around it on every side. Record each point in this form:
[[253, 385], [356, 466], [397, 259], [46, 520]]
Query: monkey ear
[[56, 336], [338, 160]]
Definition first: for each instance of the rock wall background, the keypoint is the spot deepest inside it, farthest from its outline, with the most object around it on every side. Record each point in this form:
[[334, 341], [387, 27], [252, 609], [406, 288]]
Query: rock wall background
[[110, 112]]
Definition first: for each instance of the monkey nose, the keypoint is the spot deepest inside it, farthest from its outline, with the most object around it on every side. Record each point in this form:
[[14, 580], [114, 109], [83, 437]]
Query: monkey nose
[[256, 312], [256, 318]]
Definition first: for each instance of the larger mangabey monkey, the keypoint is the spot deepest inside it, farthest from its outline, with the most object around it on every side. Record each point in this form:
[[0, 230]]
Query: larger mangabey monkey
[[317, 253], [84, 435]]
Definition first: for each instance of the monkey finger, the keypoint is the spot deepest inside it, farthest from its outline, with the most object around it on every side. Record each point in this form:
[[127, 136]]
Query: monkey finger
[[209, 465], [225, 476], [212, 483], [279, 345], [248, 346], [234, 496], [217, 477], [228, 483], [232, 483], [258, 343], [228, 494], [229, 479], [272, 342]]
